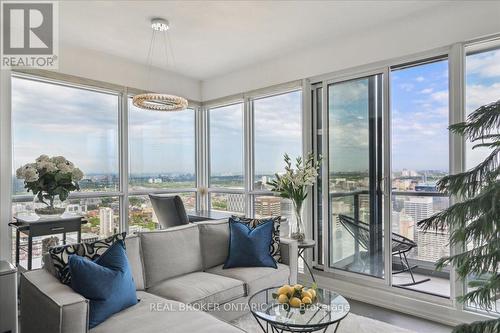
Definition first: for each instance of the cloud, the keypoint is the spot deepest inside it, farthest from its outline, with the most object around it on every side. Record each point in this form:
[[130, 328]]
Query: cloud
[[478, 95], [440, 96], [420, 79], [426, 91], [406, 87], [486, 64]]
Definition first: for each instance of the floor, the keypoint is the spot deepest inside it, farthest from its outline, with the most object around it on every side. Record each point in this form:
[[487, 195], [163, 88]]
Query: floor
[[436, 285], [416, 324], [412, 323]]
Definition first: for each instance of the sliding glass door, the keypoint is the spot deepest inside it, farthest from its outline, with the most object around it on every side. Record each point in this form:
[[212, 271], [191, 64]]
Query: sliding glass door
[[354, 174]]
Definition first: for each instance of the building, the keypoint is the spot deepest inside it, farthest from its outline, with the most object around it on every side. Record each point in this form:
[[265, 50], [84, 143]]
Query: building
[[106, 222], [267, 206], [418, 208]]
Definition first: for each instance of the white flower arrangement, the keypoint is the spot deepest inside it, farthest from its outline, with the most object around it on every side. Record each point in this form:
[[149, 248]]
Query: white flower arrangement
[[50, 177], [293, 185]]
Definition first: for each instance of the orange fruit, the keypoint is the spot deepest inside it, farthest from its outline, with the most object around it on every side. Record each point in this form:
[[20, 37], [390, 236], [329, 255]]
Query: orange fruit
[[285, 290], [295, 302], [283, 298], [306, 294]]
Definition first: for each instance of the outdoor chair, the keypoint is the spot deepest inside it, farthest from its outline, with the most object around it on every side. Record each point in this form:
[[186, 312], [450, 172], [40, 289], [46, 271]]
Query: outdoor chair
[[401, 245]]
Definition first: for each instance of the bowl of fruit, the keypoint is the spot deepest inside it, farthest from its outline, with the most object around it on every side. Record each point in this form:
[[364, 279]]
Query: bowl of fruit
[[296, 296]]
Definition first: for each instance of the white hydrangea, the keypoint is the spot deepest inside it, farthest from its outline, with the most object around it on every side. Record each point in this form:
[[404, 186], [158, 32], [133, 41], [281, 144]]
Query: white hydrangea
[[77, 174], [29, 173], [66, 167], [43, 158], [58, 160], [46, 165]]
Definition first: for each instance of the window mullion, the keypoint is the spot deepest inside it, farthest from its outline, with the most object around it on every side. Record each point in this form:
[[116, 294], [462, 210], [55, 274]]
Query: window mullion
[[248, 126], [123, 158], [457, 143]]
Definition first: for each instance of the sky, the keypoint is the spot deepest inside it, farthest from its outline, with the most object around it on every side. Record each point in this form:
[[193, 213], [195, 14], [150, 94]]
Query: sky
[[482, 87], [348, 126], [419, 110], [82, 125]]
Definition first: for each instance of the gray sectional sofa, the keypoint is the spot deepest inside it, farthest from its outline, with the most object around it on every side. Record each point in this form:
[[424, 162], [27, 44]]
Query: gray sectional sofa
[[172, 268]]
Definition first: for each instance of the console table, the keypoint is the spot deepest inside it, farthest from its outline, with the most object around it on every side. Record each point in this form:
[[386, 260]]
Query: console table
[[44, 226], [203, 215]]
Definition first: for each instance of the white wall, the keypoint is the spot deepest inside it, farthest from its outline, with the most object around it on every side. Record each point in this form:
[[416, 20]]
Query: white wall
[[429, 30], [111, 69]]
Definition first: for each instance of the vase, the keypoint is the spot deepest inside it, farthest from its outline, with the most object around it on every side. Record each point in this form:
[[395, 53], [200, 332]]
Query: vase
[[297, 231], [49, 207]]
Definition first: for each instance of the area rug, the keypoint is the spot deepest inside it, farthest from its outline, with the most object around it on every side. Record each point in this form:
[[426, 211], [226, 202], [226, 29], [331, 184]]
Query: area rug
[[351, 324]]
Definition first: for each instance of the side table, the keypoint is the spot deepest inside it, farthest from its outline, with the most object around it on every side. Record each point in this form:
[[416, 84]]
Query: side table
[[43, 227], [306, 244]]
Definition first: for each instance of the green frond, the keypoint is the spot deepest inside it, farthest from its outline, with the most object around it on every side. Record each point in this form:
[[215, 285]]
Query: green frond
[[459, 214], [484, 291], [468, 183], [479, 123], [479, 260], [484, 228], [488, 326]]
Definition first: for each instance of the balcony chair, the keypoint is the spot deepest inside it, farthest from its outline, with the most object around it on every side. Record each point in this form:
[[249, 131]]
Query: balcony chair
[[401, 245], [169, 210]]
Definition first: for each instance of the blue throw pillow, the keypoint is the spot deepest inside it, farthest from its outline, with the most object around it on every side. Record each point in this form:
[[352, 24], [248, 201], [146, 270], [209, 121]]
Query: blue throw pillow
[[250, 247], [107, 282]]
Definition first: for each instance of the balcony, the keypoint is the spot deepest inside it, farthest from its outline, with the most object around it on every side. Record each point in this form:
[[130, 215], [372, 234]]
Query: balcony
[[361, 252]]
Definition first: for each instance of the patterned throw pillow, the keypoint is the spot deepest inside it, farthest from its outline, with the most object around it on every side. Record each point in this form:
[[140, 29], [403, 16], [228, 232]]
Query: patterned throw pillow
[[93, 250], [275, 245]]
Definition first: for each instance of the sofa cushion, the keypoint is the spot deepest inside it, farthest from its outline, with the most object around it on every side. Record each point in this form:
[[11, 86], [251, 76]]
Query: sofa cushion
[[133, 246], [250, 247], [60, 254], [255, 278], [214, 239], [274, 249], [154, 314], [107, 282], [200, 288], [170, 253]]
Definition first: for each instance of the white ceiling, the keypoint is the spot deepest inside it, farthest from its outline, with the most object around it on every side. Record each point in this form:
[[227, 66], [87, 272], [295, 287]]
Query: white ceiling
[[212, 38]]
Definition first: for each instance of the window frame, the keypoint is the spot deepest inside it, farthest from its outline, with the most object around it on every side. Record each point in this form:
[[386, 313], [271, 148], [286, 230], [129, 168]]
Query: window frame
[[248, 139], [123, 94]]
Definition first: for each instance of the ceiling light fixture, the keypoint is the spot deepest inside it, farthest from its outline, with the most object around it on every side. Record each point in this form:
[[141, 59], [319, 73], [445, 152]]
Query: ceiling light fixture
[[155, 101]]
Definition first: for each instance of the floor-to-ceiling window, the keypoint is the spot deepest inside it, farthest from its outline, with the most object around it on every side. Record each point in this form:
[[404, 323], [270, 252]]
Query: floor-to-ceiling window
[[277, 131], [354, 201], [482, 77], [226, 176], [161, 160], [419, 154], [81, 124]]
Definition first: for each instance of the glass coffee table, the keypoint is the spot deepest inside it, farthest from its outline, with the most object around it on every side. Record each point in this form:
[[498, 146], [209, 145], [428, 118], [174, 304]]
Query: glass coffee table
[[329, 308]]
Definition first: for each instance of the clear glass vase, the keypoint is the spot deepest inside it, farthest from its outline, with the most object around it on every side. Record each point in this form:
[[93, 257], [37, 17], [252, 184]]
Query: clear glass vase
[[297, 230], [50, 207]]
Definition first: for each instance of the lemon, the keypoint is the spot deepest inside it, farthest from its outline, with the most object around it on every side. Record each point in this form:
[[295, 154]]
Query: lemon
[[312, 292], [295, 302], [298, 287], [286, 289], [283, 298], [307, 294], [306, 300]]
